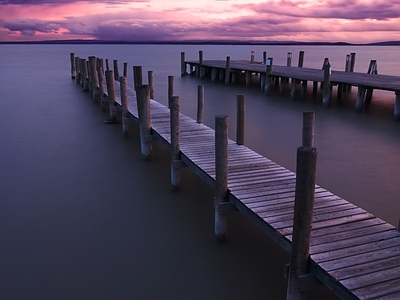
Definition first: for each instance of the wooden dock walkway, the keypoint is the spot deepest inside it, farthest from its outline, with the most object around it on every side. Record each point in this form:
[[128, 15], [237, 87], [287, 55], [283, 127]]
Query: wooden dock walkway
[[352, 252], [229, 71]]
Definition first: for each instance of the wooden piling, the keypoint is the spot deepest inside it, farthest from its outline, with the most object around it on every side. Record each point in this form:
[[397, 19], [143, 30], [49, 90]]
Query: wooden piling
[[201, 71], [94, 82], [301, 59], [116, 72], [327, 89], [227, 69], [143, 105], [252, 57], [125, 70], [221, 176], [123, 84], [100, 76], [107, 65], [248, 78], [78, 71], [373, 70], [267, 85], [265, 57], [137, 76], [360, 98], [175, 142], [111, 94], [150, 79], [85, 79], [308, 129], [241, 119], [302, 219], [289, 59], [200, 104], [183, 64], [303, 90], [293, 89], [170, 87], [73, 66]]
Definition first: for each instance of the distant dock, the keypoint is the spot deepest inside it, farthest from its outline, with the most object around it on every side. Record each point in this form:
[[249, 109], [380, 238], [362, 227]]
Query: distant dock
[[229, 72], [330, 240]]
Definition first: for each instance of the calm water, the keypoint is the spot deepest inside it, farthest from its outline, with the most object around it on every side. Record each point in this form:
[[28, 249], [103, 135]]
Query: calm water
[[83, 217]]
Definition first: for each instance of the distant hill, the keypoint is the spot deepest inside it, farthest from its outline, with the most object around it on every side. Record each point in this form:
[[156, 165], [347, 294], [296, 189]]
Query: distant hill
[[205, 42]]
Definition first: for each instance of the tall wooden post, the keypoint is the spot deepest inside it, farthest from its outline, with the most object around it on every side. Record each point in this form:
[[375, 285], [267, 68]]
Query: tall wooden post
[[264, 57], [201, 71], [252, 57], [301, 59], [303, 208], [360, 98], [270, 62], [150, 78], [73, 66], [137, 76], [326, 97], [125, 70], [100, 76], [227, 69], [241, 119], [107, 65], [94, 78], [289, 59], [116, 72], [200, 104], [78, 70], [170, 88], [84, 72], [248, 78], [124, 104], [143, 104], [221, 176], [175, 142], [303, 90], [112, 104], [308, 129], [183, 64]]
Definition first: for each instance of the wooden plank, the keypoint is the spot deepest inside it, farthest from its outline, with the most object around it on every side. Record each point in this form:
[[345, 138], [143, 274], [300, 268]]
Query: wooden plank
[[386, 290]]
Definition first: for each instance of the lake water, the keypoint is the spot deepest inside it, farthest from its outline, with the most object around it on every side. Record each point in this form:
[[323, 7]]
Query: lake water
[[83, 217]]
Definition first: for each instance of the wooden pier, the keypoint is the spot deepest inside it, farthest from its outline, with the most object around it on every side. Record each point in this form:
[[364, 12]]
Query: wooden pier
[[229, 71], [349, 250]]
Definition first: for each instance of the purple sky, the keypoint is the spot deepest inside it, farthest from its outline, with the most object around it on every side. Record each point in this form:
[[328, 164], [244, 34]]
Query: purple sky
[[356, 21]]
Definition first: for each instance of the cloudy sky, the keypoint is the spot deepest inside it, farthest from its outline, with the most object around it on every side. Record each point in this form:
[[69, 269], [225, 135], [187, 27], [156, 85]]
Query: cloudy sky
[[356, 21]]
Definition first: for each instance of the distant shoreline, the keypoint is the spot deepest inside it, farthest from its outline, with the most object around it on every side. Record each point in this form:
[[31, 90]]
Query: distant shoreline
[[196, 42]]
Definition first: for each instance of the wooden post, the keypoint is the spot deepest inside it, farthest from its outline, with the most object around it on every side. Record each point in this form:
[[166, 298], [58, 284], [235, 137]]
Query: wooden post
[[200, 104], [116, 72], [315, 89], [398, 226], [124, 104], [267, 86], [241, 119], [326, 97], [100, 76], [293, 89], [112, 104], [301, 59], [282, 85], [78, 70], [151, 83], [175, 142], [396, 115], [352, 64], [94, 79], [372, 69], [308, 129], [248, 78], [126, 70], [360, 98], [303, 90], [265, 57], [227, 69], [302, 219], [289, 59], [252, 57], [201, 71], [170, 87], [143, 104], [137, 76], [85, 80], [73, 66], [221, 175], [183, 64], [107, 65]]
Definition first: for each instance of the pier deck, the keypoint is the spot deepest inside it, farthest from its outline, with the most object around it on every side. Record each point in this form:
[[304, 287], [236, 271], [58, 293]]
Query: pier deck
[[353, 253], [362, 81]]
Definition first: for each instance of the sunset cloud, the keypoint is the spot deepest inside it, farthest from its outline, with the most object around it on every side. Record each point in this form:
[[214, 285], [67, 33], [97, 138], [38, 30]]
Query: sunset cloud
[[159, 20]]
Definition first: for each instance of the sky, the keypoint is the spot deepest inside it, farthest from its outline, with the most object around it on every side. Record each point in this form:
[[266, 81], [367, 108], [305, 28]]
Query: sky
[[354, 21]]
